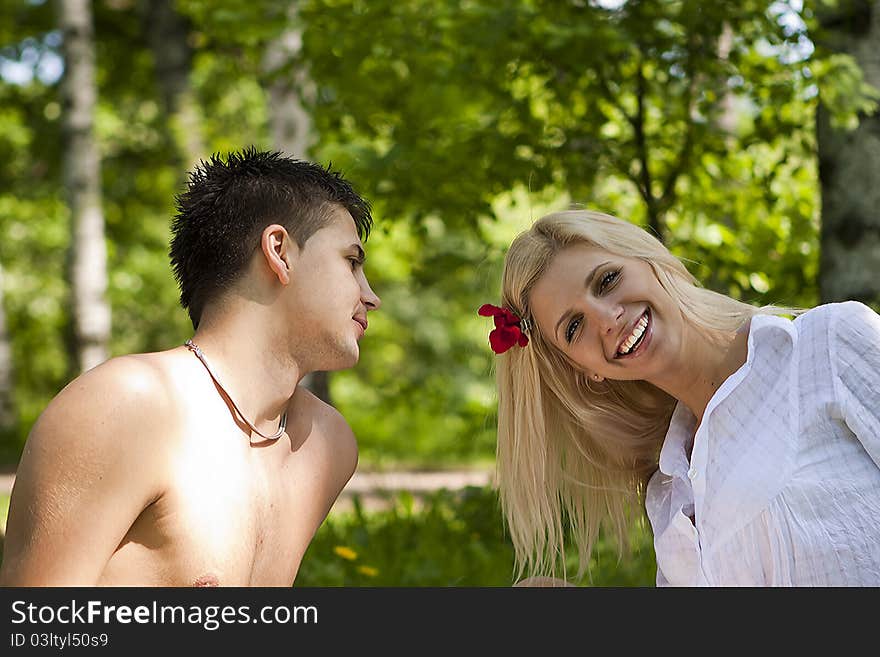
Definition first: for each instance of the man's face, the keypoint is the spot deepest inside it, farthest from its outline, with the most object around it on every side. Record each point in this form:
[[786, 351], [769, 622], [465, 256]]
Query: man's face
[[330, 295]]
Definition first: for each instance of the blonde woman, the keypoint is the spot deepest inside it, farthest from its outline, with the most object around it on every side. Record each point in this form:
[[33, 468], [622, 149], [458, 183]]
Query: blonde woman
[[750, 440]]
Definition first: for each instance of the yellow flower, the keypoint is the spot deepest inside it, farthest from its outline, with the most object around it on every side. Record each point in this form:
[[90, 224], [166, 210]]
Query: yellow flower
[[345, 552], [369, 571]]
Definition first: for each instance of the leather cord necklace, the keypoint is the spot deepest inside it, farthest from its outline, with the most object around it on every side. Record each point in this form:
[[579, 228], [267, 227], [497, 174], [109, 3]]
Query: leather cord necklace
[[282, 425]]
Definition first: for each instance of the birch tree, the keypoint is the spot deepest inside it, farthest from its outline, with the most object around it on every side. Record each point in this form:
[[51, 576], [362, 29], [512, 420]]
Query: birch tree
[[82, 183]]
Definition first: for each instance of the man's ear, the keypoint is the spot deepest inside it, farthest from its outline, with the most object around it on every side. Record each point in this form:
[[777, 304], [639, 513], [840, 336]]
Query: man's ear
[[279, 250]]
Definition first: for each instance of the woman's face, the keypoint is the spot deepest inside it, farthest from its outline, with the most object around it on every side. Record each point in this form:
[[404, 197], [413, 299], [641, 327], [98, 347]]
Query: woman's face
[[608, 314]]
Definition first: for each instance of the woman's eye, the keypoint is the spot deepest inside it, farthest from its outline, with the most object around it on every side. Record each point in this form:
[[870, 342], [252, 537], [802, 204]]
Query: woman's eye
[[607, 279], [570, 330]]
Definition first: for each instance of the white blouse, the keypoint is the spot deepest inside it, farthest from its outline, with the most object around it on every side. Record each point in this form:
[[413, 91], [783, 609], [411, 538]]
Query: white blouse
[[784, 477]]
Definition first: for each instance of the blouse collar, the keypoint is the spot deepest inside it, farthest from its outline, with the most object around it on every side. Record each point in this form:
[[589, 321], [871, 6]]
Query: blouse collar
[[673, 453]]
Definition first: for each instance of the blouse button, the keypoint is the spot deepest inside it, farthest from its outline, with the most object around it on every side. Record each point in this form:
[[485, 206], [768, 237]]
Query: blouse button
[[692, 473]]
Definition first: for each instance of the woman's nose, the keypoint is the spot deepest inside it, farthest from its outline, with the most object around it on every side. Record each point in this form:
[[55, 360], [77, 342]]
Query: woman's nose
[[608, 317]]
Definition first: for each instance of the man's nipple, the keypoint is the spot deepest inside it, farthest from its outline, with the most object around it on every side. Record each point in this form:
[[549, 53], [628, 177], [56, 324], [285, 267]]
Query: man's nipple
[[206, 580]]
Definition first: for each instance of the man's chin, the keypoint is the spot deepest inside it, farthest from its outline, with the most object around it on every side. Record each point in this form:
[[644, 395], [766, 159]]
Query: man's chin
[[345, 361]]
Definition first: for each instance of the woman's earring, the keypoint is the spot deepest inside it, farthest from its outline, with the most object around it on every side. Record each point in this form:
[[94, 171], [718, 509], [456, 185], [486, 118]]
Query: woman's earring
[[597, 378]]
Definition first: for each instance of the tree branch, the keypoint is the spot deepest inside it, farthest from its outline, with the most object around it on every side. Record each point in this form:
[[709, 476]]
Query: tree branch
[[668, 197], [644, 180]]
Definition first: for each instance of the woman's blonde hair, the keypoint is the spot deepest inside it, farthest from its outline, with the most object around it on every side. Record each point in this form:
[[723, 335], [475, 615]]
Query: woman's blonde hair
[[571, 457]]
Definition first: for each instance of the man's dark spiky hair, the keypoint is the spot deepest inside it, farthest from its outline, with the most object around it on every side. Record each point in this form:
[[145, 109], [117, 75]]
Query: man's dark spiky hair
[[227, 204]]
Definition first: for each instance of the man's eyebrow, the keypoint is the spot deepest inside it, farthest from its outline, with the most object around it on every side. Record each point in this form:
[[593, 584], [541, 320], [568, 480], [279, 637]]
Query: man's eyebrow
[[587, 282], [360, 251]]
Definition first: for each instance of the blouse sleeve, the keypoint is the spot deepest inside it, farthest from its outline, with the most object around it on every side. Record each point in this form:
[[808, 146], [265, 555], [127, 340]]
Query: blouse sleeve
[[855, 361], [661, 579]]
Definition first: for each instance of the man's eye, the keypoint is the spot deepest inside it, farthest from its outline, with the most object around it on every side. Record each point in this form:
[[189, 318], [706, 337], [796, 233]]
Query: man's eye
[[570, 330], [607, 279]]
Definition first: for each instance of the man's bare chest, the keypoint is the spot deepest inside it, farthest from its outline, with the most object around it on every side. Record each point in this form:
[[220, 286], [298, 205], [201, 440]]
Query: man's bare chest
[[224, 520]]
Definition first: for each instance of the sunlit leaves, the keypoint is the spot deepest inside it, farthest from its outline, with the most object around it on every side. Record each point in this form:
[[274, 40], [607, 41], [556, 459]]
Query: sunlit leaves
[[462, 122], [843, 90]]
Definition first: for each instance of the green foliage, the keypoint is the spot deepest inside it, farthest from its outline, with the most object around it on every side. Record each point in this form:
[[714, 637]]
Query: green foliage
[[460, 102], [839, 79], [461, 122], [446, 539], [849, 96]]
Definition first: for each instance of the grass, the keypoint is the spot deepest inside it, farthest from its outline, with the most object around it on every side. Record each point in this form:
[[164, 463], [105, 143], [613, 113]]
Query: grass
[[449, 539]]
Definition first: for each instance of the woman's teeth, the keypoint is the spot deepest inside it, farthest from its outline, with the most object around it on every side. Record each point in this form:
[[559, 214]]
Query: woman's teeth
[[635, 336]]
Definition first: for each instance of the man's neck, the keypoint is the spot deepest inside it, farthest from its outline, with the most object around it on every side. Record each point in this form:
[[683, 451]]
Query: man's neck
[[254, 372]]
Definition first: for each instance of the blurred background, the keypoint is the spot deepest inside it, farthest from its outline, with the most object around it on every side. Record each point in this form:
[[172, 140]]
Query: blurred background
[[744, 133]]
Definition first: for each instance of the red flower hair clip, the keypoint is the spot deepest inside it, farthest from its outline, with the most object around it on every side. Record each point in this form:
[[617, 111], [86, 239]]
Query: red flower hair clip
[[509, 329]]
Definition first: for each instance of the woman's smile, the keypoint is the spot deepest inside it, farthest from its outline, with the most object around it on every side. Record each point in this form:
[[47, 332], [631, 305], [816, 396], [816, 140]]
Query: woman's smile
[[636, 341]]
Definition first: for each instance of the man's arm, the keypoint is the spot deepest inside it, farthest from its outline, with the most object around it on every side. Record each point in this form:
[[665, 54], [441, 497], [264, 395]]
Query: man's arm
[[90, 465], [333, 460], [339, 457]]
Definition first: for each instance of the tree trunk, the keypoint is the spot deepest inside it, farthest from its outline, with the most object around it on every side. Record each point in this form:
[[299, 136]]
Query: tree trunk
[[290, 123], [82, 179], [8, 419], [292, 130], [849, 167], [168, 33], [729, 115]]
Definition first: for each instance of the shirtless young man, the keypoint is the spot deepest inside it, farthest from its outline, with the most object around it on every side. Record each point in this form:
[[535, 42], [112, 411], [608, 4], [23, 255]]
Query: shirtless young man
[[146, 471]]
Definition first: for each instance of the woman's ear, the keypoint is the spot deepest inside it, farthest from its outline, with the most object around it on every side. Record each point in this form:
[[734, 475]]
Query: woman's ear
[[279, 250]]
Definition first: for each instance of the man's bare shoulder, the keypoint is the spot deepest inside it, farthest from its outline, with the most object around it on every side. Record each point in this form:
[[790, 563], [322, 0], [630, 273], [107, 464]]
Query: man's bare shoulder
[[135, 390], [95, 458], [123, 414], [336, 443]]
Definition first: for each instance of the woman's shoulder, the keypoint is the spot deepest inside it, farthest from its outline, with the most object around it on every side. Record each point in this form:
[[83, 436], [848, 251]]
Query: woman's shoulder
[[839, 318], [819, 330], [836, 309], [840, 332]]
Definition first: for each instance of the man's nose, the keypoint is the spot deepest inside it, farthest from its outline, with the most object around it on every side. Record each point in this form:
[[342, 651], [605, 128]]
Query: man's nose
[[371, 299]]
